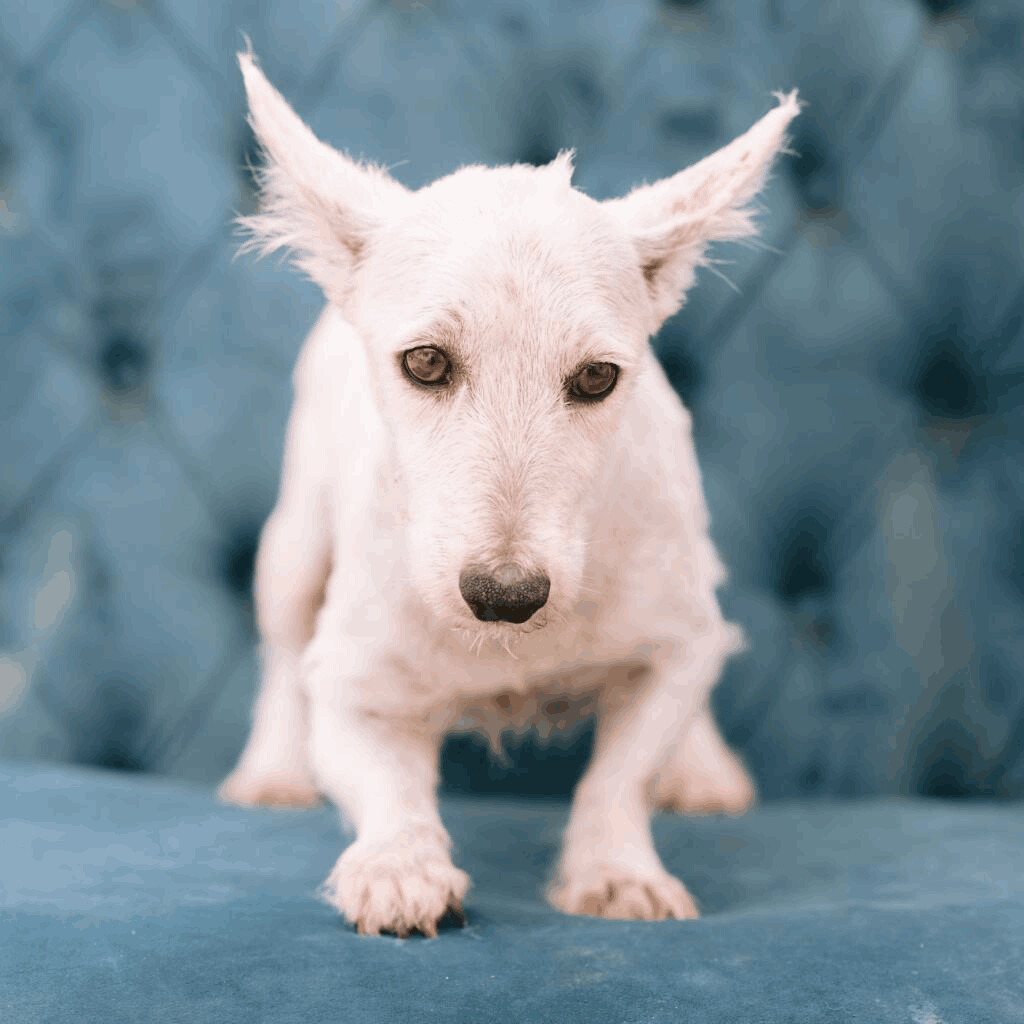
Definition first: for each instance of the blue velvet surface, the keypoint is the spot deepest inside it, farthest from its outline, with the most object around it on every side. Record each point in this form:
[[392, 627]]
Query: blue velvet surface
[[129, 899]]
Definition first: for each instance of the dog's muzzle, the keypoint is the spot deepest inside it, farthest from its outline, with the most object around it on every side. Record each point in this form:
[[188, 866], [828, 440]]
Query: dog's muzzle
[[506, 595]]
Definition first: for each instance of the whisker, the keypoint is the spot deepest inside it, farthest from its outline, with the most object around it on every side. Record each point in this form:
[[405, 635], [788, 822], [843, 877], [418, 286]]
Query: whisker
[[714, 270]]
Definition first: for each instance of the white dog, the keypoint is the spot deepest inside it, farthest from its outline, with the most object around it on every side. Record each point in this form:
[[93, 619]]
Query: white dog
[[490, 511]]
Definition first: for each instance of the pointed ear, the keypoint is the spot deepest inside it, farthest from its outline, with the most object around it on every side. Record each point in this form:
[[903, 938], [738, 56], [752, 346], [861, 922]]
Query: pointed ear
[[314, 201], [673, 221]]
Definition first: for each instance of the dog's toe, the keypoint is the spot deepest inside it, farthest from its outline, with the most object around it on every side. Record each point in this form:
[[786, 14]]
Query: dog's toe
[[733, 799], [397, 889], [614, 892], [727, 790]]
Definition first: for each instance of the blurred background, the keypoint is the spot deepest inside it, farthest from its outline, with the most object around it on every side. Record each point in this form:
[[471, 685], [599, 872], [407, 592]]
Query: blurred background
[[857, 388]]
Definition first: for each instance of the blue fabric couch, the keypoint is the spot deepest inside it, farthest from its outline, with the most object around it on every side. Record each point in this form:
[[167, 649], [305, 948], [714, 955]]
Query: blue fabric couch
[[141, 899], [857, 400]]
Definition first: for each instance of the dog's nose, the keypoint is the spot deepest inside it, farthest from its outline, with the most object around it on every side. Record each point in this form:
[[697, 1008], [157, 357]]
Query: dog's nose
[[506, 595]]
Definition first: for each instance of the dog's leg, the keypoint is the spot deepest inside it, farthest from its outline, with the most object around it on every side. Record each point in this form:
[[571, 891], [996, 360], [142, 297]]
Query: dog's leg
[[702, 775], [292, 564], [273, 770], [397, 876], [609, 867]]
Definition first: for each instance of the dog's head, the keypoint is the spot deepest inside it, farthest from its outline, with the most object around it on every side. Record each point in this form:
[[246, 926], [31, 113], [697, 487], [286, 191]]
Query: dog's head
[[506, 317]]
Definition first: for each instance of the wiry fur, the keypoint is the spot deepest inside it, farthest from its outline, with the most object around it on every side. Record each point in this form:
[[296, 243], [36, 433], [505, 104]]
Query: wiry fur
[[388, 491]]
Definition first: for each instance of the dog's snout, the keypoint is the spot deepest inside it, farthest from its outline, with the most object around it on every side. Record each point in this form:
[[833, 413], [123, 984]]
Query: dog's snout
[[506, 595]]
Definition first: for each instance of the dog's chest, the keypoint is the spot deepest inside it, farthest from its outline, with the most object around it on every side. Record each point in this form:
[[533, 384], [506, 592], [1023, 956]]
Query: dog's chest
[[547, 706]]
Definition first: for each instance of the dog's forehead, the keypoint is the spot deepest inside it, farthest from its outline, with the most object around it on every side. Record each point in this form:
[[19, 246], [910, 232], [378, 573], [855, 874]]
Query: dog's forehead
[[492, 243]]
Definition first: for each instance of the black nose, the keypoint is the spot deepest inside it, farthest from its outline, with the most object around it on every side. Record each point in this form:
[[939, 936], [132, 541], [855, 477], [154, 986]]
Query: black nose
[[506, 595]]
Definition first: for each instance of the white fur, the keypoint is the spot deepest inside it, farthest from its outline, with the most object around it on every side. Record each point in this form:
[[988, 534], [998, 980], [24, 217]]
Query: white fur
[[371, 655]]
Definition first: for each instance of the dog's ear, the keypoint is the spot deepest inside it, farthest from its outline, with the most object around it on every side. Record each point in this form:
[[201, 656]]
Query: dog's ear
[[315, 202], [673, 221]]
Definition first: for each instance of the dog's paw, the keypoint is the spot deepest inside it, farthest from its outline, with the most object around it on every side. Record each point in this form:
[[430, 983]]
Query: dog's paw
[[608, 890], [408, 884], [728, 789], [285, 790]]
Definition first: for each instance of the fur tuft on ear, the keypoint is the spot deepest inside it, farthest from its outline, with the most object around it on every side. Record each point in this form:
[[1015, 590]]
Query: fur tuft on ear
[[562, 165], [674, 220], [315, 202]]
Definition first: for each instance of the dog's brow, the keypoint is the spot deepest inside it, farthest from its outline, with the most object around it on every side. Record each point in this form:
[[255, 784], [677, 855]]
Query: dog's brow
[[446, 331], [603, 354], [601, 345], [597, 341]]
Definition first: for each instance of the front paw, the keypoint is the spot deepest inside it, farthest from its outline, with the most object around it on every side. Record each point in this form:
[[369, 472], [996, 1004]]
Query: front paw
[[608, 890], [401, 885]]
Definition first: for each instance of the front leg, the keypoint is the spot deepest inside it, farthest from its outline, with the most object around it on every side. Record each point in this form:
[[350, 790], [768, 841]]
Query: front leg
[[398, 875], [609, 866]]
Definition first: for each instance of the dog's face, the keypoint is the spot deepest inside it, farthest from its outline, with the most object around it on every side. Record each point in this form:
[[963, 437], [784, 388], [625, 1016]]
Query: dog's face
[[506, 316]]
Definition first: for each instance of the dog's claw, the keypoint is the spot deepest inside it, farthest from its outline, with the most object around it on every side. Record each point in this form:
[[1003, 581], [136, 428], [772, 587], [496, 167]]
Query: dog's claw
[[455, 917]]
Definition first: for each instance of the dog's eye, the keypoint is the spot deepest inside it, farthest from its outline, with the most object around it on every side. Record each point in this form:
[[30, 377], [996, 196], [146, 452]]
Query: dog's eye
[[593, 382], [427, 365]]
